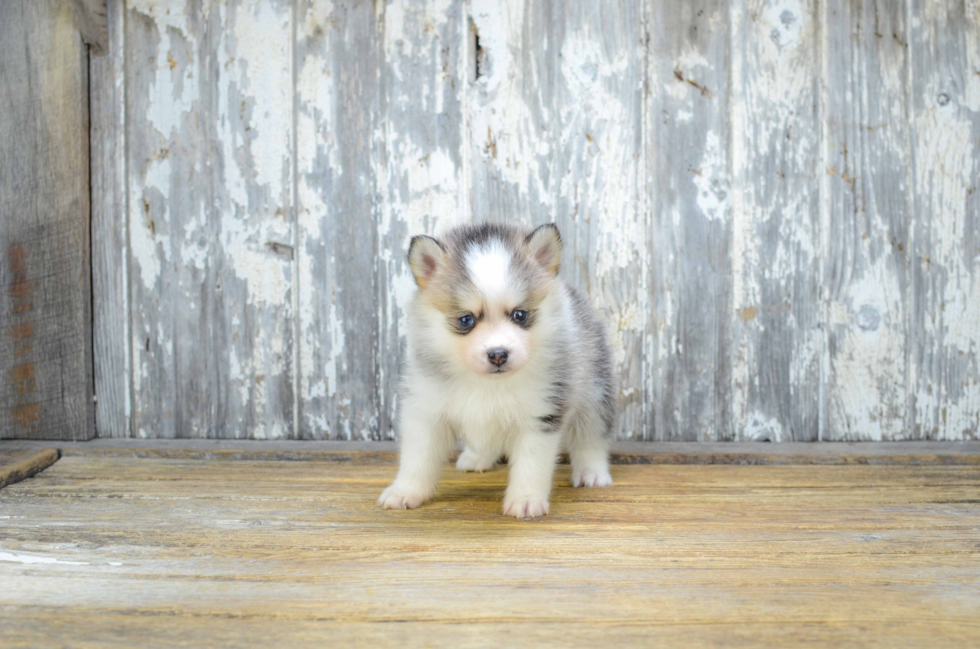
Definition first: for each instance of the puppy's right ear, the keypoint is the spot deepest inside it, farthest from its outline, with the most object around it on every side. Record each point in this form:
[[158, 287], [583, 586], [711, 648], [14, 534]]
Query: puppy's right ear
[[425, 257]]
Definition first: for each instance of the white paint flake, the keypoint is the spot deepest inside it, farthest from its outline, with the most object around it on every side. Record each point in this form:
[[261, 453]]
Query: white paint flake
[[762, 428], [712, 180]]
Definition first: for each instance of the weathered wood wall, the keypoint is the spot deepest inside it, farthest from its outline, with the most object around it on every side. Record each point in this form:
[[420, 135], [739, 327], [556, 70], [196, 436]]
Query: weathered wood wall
[[45, 278], [773, 204]]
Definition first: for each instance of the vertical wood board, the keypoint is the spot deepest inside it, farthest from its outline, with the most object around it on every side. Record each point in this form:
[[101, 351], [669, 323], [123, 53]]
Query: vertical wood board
[[945, 108], [169, 97], [110, 237], [555, 135], [866, 204], [338, 120], [45, 304], [598, 65], [421, 184], [777, 337], [209, 97], [690, 187], [250, 216]]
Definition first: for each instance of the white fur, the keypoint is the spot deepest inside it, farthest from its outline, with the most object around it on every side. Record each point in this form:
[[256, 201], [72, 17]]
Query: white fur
[[476, 461], [488, 267]]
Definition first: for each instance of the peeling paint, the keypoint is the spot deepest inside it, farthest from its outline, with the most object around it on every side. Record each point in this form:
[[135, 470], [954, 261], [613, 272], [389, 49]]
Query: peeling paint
[[760, 428], [787, 321], [712, 180], [945, 381]]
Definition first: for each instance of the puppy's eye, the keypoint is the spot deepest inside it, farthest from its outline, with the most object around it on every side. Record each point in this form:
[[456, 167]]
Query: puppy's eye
[[519, 315], [466, 321]]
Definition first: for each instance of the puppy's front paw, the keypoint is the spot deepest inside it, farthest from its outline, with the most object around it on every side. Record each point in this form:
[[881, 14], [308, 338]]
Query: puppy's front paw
[[525, 506], [592, 478], [400, 496], [472, 461]]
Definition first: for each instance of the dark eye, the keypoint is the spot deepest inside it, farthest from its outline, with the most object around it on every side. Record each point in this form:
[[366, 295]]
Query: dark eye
[[519, 316], [466, 321]]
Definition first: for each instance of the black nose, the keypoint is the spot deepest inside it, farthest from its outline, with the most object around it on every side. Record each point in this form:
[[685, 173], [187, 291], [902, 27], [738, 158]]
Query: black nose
[[497, 356]]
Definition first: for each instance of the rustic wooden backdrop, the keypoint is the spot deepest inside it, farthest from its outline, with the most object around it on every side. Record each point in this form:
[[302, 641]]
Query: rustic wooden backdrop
[[773, 204], [45, 298]]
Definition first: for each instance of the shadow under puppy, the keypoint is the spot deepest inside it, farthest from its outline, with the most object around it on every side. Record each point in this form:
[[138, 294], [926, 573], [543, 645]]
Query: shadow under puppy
[[505, 357]]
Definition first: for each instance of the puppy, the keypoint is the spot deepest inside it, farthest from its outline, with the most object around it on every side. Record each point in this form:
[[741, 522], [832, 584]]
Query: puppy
[[505, 357]]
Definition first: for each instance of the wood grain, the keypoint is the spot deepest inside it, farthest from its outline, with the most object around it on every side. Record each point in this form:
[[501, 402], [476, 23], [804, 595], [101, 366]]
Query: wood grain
[[91, 20], [777, 334], [916, 453], [111, 550], [338, 106], [45, 308], [689, 179], [250, 218], [554, 115], [110, 240], [597, 64], [867, 214], [424, 75], [170, 97], [944, 102], [211, 223], [511, 110], [17, 466]]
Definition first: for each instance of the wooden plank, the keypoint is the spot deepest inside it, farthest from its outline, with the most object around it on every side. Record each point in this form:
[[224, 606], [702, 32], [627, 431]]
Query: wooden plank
[[169, 96], [23, 465], [46, 341], [866, 198], [847, 552], [110, 241], [337, 122], [597, 61], [92, 21], [105, 629], [777, 337], [423, 190], [250, 129], [944, 388], [918, 453], [210, 106], [511, 111], [690, 187], [554, 135]]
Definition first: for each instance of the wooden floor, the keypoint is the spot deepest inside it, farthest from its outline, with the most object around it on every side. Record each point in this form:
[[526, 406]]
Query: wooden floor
[[118, 551]]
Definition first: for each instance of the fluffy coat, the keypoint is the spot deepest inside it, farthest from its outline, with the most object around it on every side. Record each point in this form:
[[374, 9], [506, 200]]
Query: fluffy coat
[[505, 357]]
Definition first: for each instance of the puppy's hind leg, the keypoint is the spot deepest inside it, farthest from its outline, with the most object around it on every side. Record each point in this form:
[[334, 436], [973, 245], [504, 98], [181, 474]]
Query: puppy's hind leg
[[588, 451], [478, 461]]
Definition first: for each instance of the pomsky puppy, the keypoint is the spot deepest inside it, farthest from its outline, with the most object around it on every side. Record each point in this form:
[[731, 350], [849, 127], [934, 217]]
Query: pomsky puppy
[[505, 357]]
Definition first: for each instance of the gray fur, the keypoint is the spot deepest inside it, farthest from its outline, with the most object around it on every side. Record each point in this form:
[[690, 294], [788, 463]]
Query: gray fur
[[599, 360]]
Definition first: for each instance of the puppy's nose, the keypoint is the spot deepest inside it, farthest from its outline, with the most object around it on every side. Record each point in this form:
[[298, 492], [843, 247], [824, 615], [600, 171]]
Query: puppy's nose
[[497, 356]]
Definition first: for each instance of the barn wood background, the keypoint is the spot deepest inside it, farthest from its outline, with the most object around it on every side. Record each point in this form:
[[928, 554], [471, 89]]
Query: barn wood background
[[773, 204], [45, 271]]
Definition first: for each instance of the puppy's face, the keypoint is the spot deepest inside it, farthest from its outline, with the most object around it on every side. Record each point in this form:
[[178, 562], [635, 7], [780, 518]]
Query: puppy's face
[[483, 290]]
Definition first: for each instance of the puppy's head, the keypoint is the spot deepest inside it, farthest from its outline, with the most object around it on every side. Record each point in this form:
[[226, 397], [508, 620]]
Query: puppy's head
[[483, 295]]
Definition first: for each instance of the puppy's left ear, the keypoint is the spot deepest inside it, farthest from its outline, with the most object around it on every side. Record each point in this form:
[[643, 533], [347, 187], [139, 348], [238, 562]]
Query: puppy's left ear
[[544, 244]]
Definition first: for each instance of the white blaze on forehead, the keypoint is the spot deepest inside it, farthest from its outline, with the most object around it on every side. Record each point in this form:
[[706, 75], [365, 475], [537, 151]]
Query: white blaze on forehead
[[488, 267]]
